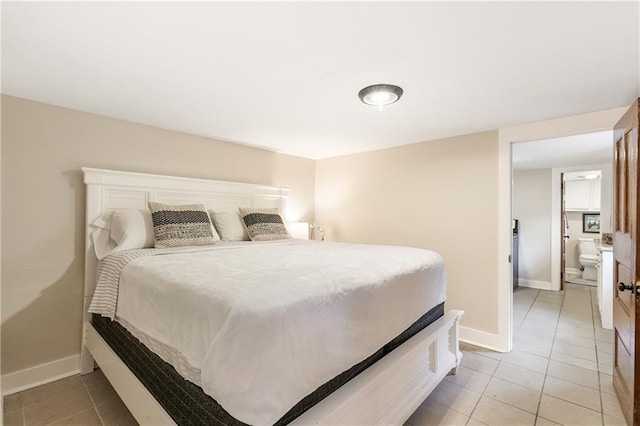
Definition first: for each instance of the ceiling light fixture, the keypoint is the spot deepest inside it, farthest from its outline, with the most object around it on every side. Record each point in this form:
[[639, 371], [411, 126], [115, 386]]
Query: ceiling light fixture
[[380, 94]]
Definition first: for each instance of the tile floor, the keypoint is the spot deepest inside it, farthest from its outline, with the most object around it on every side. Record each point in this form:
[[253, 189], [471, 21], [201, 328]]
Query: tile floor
[[558, 373], [78, 400]]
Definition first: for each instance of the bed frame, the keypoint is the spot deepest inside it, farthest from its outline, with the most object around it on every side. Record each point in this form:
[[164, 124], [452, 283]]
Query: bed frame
[[387, 393]]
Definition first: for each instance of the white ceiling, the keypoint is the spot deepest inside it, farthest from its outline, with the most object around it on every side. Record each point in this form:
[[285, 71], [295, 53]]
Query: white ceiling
[[285, 76], [580, 150]]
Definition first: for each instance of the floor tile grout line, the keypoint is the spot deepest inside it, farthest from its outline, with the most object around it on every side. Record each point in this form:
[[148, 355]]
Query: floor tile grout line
[[471, 390], [475, 406], [453, 409], [501, 360], [544, 382], [482, 393], [93, 402], [507, 403], [597, 362], [601, 411], [66, 417], [567, 296]]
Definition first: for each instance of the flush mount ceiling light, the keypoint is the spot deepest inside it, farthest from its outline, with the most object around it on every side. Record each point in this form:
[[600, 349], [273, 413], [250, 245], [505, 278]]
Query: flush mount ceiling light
[[380, 94]]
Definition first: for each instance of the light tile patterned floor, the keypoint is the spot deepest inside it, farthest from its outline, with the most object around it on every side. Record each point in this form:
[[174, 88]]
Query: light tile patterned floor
[[87, 400], [558, 373]]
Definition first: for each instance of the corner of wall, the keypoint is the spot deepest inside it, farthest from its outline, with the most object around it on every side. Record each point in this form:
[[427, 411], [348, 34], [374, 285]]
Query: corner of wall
[[40, 374], [483, 339]]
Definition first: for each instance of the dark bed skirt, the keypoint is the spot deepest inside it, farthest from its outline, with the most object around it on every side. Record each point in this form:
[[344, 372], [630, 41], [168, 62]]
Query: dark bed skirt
[[187, 404]]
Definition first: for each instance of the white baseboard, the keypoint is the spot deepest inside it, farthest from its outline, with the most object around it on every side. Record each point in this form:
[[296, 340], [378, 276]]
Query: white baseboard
[[481, 338], [572, 271], [40, 374], [542, 285]]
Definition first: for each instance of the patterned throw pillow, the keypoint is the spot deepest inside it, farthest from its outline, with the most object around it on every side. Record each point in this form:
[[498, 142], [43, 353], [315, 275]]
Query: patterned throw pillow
[[180, 225], [264, 224]]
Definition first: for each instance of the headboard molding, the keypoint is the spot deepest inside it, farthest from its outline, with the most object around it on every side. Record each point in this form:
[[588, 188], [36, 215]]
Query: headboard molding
[[111, 189]]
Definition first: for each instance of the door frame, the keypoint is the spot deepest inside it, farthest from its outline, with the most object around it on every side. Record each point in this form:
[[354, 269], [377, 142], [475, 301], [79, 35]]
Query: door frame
[[567, 126], [556, 211]]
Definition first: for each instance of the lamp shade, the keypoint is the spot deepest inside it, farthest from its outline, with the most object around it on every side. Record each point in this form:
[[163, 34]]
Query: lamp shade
[[298, 230]]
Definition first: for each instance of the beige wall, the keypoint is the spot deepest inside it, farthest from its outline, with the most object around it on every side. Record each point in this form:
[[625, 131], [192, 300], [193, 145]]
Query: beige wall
[[43, 148], [440, 195], [532, 208]]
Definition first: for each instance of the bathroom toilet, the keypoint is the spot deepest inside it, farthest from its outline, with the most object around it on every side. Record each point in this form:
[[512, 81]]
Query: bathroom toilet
[[588, 257]]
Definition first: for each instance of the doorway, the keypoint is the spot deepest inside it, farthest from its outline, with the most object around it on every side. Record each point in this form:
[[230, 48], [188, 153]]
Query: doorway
[[582, 230], [581, 163], [540, 171], [508, 138]]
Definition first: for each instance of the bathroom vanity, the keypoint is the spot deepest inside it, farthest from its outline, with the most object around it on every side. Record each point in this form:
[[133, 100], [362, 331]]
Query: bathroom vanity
[[605, 285]]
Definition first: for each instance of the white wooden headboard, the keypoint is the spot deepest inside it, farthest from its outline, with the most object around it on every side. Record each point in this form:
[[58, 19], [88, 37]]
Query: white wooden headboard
[[111, 189]]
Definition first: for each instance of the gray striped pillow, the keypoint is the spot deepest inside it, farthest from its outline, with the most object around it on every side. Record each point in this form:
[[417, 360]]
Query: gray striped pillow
[[181, 225], [264, 224]]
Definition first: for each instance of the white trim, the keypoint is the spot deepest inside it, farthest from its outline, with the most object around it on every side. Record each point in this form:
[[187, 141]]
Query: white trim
[[556, 230], [566, 126], [40, 374], [605, 288], [542, 285], [572, 271], [505, 245], [117, 178], [481, 338]]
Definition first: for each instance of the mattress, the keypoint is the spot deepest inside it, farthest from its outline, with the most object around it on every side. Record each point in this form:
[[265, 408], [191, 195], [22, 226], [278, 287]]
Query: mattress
[[260, 327], [188, 404]]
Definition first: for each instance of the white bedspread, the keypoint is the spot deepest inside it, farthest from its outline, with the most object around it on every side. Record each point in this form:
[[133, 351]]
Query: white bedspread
[[266, 324]]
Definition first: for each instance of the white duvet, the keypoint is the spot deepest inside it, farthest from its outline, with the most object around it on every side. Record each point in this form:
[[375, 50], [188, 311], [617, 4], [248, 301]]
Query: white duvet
[[266, 324]]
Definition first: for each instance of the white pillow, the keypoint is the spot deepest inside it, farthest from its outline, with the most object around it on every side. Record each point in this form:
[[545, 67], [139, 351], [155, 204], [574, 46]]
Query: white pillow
[[131, 229], [229, 226], [102, 243], [122, 229]]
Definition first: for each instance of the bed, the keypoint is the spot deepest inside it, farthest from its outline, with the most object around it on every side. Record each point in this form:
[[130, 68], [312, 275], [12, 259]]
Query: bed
[[337, 368]]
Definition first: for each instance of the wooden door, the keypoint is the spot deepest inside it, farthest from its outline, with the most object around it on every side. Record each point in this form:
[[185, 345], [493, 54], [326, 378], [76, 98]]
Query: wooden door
[[626, 269]]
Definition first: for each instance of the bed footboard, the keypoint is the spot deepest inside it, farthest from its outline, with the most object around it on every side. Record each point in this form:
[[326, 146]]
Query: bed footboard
[[389, 392]]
